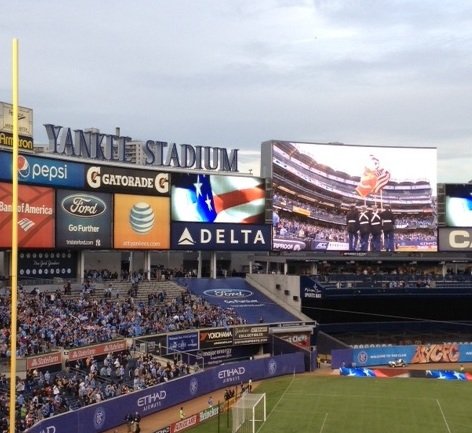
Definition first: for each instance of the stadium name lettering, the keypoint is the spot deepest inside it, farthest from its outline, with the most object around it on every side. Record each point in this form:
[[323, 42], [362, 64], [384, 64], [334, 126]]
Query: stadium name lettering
[[111, 147]]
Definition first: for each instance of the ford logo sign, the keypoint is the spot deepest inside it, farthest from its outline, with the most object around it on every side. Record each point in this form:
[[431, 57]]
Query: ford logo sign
[[228, 293], [83, 205]]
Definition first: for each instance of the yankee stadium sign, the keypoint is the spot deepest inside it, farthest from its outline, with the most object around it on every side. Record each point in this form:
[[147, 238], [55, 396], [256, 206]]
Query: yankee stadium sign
[[111, 147]]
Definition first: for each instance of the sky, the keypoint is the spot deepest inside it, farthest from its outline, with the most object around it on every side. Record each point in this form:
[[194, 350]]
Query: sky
[[235, 73]]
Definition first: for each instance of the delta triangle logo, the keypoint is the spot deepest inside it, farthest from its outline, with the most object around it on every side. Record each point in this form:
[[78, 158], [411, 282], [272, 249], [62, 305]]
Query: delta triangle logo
[[186, 238]]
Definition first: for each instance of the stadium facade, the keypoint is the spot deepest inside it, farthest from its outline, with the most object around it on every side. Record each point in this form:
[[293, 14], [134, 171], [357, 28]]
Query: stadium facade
[[86, 202]]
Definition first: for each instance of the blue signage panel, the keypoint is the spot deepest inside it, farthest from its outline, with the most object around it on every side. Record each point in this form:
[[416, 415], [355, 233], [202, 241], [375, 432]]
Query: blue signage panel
[[108, 414], [220, 237], [83, 219], [465, 352], [382, 355], [43, 171], [182, 342]]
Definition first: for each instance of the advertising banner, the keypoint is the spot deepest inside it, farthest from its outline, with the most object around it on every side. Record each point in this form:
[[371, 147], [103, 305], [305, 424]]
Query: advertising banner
[[42, 361], [210, 198], [459, 239], [372, 199], [35, 216], [250, 334], [221, 237], [413, 354], [104, 178], [216, 337], [182, 342], [109, 414], [300, 339], [83, 220], [99, 349], [309, 288], [43, 171], [141, 222], [25, 119], [236, 293], [47, 264], [24, 142], [465, 352], [220, 355]]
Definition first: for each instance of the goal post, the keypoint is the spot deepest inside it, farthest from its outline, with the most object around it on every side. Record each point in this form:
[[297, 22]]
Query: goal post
[[248, 413]]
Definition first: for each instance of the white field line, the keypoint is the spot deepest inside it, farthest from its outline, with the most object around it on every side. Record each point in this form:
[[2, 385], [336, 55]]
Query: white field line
[[364, 396], [278, 401], [444, 417], [324, 420]]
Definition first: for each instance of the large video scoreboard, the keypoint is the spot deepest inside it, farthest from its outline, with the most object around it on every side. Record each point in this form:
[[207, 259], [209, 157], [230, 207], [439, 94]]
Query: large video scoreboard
[[315, 185]]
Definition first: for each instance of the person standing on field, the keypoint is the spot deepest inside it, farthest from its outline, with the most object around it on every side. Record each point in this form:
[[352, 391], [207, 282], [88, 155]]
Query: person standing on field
[[388, 227], [352, 223]]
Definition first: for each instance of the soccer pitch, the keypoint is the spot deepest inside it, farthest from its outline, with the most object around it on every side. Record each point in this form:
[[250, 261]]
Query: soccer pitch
[[319, 404]]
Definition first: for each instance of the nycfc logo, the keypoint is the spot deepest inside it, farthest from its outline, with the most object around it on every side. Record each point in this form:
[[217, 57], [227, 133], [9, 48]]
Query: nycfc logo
[[193, 387], [23, 167], [272, 367], [99, 417], [362, 357]]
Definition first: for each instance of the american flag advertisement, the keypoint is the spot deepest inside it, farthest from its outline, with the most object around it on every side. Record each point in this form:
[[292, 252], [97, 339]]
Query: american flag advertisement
[[209, 198]]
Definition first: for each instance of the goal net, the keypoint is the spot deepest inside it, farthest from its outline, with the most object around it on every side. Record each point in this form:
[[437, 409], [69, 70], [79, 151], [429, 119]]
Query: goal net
[[248, 413]]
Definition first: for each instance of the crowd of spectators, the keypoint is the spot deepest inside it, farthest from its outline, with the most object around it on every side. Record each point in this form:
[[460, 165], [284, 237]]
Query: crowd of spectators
[[60, 319], [402, 276], [43, 394], [47, 321]]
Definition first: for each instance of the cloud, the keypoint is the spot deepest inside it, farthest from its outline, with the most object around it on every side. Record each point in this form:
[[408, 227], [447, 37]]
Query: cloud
[[238, 73]]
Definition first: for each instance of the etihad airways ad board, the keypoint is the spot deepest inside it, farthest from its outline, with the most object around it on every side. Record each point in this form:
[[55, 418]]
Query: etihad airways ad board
[[103, 207], [338, 197]]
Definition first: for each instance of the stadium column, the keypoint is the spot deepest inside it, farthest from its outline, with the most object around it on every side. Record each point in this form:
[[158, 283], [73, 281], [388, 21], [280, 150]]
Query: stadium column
[[81, 266], [213, 264], [199, 269], [131, 269], [147, 264]]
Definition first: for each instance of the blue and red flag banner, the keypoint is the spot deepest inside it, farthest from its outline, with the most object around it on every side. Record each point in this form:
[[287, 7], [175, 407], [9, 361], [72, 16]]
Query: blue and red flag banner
[[220, 199]]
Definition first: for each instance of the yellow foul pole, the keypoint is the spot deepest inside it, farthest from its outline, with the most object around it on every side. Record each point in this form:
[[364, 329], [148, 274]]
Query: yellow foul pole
[[14, 240]]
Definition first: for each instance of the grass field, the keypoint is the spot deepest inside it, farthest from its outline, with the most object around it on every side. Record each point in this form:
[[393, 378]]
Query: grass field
[[320, 404]]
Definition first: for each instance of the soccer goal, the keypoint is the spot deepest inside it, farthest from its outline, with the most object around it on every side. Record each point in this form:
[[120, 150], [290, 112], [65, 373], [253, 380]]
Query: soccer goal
[[248, 413]]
